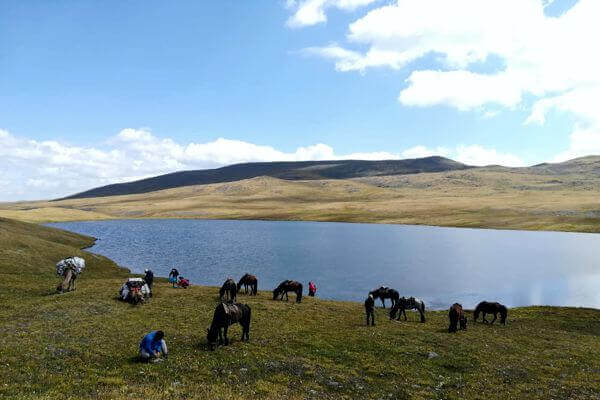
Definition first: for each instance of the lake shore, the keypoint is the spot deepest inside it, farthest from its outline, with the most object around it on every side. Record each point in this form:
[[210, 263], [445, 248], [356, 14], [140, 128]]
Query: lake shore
[[481, 198], [83, 344]]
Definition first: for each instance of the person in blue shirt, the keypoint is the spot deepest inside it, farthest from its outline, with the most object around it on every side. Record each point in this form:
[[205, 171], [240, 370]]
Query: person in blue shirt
[[153, 345]]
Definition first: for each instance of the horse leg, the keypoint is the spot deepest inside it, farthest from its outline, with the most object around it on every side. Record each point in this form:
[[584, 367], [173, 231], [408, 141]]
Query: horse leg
[[485, 321], [286, 296], [225, 335], [404, 312], [495, 317], [220, 336], [383, 302], [422, 312]]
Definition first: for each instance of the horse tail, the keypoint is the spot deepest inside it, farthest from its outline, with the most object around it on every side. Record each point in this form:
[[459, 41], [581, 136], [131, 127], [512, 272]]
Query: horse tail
[[299, 293], [503, 314]]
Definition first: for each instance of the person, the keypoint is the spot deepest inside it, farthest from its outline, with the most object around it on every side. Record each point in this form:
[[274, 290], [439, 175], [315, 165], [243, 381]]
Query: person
[[173, 276], [149, 278], [152, 346], [312, 289], [370, 309], [183, 283]]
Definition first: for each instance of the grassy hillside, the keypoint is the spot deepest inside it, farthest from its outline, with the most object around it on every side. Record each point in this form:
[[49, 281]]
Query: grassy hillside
[[297, 170], [83, 344], [548, 197]]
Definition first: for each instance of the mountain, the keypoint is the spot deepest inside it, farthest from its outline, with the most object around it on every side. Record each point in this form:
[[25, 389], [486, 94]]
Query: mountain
[[299, 170]]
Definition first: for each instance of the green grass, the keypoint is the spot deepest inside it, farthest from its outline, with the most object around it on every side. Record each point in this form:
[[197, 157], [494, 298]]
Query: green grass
[[83, 344]]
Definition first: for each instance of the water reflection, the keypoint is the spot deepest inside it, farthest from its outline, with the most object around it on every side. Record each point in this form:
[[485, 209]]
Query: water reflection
[[440, 265]]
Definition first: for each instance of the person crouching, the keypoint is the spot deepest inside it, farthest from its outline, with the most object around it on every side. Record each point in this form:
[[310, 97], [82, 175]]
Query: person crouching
[[370, 309], [153, 346]]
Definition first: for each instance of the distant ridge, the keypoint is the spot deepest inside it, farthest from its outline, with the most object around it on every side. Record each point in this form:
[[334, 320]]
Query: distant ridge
[[296, 170]]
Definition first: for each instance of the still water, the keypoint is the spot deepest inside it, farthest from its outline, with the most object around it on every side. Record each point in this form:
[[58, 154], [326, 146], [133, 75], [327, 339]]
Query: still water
[[439, 265]]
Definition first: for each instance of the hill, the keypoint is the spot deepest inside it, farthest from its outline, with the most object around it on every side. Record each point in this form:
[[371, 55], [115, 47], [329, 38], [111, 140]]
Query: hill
[[560, 197], [301, 170], [83, 344]]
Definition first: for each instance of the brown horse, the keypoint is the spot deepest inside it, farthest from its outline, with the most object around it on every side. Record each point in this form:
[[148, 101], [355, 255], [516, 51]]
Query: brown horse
[[229, 288], [68, 282], [248, 280], [487, 307], [224, 316], [456, 316], [288, 286]]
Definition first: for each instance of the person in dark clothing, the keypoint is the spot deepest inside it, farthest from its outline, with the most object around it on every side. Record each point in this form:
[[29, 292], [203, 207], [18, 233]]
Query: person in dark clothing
[[370, 309], [149, 278], [173, 275]]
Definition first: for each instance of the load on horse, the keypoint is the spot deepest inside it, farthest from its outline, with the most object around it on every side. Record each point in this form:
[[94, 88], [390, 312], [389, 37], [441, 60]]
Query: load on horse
[[225, 315], [134, 291], [68, 269]]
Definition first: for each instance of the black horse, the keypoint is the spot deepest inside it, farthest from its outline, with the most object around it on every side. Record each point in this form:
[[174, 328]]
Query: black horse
[[248, 280], [288, 286], [229, 288], [411, 303], [487, 307], [385, 292], [456, 316], [224, 316]]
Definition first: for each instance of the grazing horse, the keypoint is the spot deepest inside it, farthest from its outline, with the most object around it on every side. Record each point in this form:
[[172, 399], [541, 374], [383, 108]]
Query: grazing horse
[[224, 316], [456, 316], [385, 292], [229, 288], [487, 307], [403, 304], [288, 286], [248, 280], [68, 282]]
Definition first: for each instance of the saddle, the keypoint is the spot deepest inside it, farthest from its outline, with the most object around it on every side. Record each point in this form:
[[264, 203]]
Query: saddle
[[233, 311]]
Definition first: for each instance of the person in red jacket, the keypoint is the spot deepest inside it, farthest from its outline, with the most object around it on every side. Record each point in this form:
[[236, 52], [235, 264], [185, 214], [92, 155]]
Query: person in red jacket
[[312, 289]]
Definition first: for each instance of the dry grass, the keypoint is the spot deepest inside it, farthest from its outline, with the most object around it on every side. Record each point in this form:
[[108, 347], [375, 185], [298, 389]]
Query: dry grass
[[486, 198]]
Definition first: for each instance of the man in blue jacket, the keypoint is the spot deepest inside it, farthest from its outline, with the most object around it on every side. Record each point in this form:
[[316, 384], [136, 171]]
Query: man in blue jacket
[[152, 346]]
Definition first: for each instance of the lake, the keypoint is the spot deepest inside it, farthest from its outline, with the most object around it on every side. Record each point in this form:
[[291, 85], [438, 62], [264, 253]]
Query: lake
[[439, 265]]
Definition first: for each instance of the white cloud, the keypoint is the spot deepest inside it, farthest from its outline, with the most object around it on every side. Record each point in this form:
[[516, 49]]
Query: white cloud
[[422, 151], [480, 156], [312, 12], [551, 60], [33, 169], [582, 142]]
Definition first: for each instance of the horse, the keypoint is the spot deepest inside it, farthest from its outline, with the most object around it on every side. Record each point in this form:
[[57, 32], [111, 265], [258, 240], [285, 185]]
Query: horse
[[248, 280], [68, 282], [229, 288], [288, 286], [487, 307], [456, 316], [385, 293], [136, 296], [224, 316], [403, 304]]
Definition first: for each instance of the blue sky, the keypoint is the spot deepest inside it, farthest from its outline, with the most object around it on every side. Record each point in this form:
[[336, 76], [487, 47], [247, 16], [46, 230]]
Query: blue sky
[[99, 92]]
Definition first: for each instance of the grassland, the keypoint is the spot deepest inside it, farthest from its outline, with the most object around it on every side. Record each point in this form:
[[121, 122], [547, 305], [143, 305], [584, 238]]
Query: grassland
[[83, 344], [532, 199]]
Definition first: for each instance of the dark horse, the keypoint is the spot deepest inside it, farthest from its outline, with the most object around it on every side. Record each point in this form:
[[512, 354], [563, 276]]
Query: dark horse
[[288, 286], [487, 307], [248, 280], [224, 316], [403, 304], [456, 316], [385, 292], [229, 288]]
